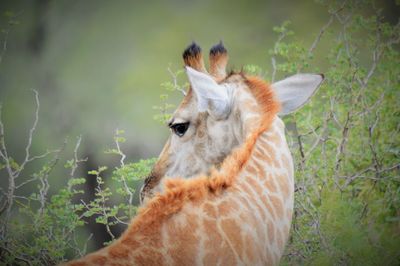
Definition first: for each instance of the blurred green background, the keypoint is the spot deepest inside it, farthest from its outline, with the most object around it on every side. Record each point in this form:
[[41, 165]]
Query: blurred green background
[[98, 65]]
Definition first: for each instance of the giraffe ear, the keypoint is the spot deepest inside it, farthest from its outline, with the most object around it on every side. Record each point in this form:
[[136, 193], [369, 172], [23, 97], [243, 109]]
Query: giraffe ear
[[295, 91], [211, 96]]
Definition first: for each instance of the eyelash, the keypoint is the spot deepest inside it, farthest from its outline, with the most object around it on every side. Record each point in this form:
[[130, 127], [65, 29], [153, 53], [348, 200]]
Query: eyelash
[[180, 128]]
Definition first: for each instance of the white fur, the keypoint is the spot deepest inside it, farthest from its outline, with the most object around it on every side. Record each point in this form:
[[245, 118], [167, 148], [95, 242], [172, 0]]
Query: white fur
[[295, 91], [211, 97]]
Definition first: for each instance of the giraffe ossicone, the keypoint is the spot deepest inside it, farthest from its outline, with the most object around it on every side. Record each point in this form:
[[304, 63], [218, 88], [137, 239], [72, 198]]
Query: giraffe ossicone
[[222, 189]]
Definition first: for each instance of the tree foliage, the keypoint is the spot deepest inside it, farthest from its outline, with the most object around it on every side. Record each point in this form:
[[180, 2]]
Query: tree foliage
[[346, 142]]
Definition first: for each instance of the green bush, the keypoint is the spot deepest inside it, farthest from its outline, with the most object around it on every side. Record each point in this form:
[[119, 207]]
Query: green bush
[[42, 229], [346, 142]]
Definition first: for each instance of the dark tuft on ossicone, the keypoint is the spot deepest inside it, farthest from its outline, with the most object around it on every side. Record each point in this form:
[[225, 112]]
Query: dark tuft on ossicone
[[191, 51], [218, 49]]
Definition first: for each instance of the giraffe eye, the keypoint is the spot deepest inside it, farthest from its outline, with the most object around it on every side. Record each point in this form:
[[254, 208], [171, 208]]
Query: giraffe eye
[[180, 129]]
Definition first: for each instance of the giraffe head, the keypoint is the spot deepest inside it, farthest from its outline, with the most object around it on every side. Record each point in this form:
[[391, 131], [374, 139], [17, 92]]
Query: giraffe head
[[216, 115]]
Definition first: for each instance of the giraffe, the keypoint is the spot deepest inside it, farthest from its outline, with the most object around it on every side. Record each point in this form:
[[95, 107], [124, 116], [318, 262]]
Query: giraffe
[[221, 192]]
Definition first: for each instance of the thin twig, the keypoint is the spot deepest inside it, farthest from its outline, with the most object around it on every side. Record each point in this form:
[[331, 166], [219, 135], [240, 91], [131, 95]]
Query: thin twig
[[76, 160], [324, 28], [120, 153], [273, 60], [320, 138], [31, 131], [3, 247], [128, 190], [353, 177], [44, 179], [175, 82], [318, 38]]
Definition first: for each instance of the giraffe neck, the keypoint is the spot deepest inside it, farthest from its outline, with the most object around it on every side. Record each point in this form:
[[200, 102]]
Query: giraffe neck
[[266, 187], [239, 214]]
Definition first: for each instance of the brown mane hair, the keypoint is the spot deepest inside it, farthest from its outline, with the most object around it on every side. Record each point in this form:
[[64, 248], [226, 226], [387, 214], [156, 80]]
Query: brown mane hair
[[179, 191]]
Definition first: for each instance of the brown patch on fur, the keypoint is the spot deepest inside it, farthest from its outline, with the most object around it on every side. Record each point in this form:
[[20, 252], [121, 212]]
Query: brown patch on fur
[[264, 157], [98, 259], [246, 189], [77, 263], [232, 232], [188, 240], [286, 164], [270, 185], [283, 184], [143, 259], [250, 249], [210, 258], [255, 185], [216, 240], [267, 204], [267, 147], [225, 208], [270, 150], [275, 138], [278, 206], [251, 169], [252, 199], [244, 201], [276, 163], [129, 241], [119, 251], [149, 256], [113, 263], [210, 210], [260, 170]]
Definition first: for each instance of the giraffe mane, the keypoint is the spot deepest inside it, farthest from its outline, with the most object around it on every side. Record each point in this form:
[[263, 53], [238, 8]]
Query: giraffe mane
[[180, 191]]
